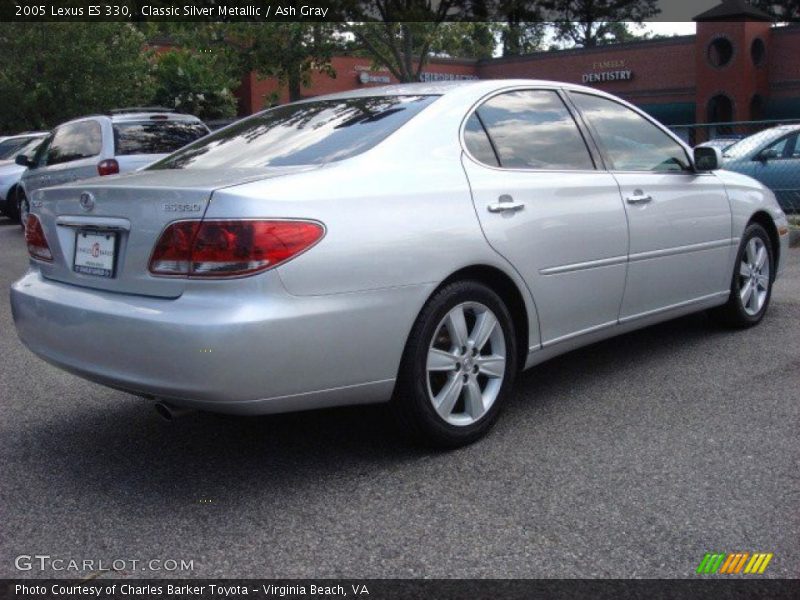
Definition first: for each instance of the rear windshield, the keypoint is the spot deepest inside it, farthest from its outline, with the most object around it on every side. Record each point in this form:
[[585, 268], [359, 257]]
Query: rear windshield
[[300, 134], [155, 137]]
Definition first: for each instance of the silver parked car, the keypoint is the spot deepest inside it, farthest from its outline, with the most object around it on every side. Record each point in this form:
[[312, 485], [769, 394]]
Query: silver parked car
[[11, 145], [415, 243], [100, 145], [11, 172]]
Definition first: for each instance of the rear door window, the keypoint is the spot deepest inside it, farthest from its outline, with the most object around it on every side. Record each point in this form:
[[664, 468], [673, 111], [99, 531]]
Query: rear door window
[[478, 143], [75, 141], [155, 137], [532, 129]]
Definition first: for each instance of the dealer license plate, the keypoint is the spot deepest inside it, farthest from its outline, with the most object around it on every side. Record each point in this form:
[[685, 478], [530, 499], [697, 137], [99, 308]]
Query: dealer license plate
[[95, 253]]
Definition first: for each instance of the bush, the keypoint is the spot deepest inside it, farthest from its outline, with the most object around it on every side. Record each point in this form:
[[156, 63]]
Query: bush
[[53, 72]]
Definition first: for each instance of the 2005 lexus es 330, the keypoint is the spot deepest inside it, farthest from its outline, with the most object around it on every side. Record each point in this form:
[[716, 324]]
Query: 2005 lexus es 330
[[418, 244]]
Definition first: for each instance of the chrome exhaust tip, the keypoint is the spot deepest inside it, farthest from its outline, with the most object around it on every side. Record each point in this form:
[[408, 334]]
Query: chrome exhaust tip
[[169, 412]]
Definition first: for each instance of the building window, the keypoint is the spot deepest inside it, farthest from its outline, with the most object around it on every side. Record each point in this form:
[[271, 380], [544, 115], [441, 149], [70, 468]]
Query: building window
[[720, 109], [758, 51], [720, 52], [757, 107]]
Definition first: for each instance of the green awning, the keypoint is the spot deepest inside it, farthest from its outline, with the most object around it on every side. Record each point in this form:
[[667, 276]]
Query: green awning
[[672, 113]]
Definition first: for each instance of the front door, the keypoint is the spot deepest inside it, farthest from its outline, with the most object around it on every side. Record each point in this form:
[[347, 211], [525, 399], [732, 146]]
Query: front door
[[679, 220]]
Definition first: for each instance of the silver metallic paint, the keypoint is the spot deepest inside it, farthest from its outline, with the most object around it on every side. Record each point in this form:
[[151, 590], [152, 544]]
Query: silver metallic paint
[[330, 326]]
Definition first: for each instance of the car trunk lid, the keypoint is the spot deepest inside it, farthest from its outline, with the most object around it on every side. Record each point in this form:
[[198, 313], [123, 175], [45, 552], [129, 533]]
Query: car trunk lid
[[125, 215]]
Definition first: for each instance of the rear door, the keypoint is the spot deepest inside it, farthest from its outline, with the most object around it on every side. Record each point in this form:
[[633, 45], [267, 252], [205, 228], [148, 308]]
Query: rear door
[[546, 207], [680, 221]]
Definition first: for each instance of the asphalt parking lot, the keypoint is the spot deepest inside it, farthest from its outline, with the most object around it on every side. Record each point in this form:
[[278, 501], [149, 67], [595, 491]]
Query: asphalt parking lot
[[630, 458]]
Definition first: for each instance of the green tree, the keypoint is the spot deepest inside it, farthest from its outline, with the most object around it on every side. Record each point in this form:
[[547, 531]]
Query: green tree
[[399, 34], [53, 72], [520, 37], [589, 23], [465, 40], [288, 51], [786, 10], [291, 52], [198, 83]]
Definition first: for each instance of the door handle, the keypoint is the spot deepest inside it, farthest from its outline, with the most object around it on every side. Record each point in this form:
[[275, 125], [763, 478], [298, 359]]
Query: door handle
[[505, 203], [639, 197]]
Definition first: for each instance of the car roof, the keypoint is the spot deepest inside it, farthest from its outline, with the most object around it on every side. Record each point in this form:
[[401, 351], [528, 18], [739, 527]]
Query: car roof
[[444, 88], [786, 128], [32, 134], [144, 116], [137, 117]]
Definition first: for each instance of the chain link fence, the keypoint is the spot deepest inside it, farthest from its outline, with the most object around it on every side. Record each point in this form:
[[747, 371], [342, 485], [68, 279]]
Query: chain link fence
[[765, 150]]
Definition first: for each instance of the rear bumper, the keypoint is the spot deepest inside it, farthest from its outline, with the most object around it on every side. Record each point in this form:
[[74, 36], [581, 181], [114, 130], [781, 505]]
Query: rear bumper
[[258, 350]]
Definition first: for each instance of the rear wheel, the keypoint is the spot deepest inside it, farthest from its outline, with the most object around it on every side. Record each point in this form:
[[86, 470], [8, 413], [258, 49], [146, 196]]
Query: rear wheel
[[751, 285], [12, 211], [458, 366]]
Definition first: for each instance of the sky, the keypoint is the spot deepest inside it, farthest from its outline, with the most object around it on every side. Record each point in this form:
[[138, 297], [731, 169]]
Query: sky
[[666, 28]]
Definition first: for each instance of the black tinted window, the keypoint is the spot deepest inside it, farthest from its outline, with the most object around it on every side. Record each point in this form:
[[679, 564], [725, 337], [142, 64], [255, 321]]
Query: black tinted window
[[300, 134], [155, 137], [532, 129], [630, 142], [478, 142], [75, 141]]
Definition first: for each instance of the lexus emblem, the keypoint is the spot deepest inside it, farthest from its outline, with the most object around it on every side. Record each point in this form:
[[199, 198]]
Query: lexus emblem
[[86, 201]]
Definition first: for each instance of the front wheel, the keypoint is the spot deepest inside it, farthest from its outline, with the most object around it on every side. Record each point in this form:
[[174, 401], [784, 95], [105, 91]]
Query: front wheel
[[751, 285], [458, 365]]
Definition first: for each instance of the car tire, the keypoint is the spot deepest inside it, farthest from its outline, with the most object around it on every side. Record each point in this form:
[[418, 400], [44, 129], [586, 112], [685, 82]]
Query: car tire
[[458, 366], [12, 210], [751, 283]]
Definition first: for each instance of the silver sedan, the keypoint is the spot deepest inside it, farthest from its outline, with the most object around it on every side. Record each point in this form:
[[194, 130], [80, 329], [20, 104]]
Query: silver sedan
[[415, 244]]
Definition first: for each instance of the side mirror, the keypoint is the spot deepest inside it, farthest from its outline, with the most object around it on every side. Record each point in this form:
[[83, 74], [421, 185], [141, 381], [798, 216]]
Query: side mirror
[[707, 158], [767, 155], [23, 161]]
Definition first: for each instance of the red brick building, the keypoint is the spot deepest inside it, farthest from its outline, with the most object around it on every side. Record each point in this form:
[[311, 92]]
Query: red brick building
[[738, 67]]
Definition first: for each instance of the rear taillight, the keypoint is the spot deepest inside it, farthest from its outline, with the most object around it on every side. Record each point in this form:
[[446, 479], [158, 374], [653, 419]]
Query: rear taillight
[[230, 248], [107, 167], [37, 243]]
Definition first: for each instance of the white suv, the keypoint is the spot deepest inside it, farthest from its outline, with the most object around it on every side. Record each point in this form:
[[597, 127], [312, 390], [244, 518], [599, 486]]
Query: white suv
[[123, 141]]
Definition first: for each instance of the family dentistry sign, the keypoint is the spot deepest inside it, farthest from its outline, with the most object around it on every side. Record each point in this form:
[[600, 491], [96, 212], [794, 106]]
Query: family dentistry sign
[[608, 70]]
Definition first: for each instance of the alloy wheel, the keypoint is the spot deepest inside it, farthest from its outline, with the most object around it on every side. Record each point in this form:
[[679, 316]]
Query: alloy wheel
[[754, 274], [466, 364]]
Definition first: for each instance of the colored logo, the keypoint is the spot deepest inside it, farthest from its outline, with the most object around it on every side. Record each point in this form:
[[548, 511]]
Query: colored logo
[[734, 563]]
